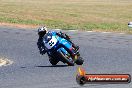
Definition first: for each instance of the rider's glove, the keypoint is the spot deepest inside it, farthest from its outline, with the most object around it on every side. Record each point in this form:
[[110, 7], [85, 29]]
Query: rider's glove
[[67, 37]]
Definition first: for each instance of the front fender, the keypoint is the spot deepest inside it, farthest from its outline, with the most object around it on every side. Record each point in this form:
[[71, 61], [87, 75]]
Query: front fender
[[64, 57]]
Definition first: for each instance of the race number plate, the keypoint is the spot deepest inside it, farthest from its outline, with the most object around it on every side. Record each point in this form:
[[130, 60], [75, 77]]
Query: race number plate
[[51, 43]]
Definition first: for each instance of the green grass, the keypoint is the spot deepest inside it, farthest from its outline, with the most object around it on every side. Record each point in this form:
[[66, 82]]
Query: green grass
[[93, 15]]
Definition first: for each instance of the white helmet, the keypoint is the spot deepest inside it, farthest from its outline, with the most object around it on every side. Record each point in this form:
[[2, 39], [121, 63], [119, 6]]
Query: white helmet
[[42, 31]]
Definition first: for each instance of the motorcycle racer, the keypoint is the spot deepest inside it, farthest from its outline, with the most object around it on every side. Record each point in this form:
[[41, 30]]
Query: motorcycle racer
[[42, 31]]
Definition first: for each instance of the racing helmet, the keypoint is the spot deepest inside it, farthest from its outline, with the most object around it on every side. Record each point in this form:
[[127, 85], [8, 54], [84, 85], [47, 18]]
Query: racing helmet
[[42, 31]]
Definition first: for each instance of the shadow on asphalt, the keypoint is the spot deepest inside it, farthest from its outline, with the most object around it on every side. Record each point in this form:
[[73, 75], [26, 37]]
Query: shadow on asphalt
[[90, 85], [53, 66], [41, 66]]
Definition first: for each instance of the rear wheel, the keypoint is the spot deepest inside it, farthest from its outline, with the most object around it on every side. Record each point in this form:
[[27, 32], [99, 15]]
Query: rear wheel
[[53, 61], [67, 60], [79, 61]]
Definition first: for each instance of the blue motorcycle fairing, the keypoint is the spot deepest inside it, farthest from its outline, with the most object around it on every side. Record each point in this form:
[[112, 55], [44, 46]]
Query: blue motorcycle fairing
[[62, 44]]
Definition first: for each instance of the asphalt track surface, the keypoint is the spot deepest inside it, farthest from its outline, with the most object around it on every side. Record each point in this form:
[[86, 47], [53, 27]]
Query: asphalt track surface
[[102, 52]]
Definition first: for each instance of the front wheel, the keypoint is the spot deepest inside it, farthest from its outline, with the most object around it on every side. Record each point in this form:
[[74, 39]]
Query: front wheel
[[79, 61], [69, 60]]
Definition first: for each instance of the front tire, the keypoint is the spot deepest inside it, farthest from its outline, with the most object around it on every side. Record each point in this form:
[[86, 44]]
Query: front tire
[[66, 60]]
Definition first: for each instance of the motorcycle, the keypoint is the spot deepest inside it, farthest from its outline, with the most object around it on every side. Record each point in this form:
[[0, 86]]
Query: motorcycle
[[57, 50]]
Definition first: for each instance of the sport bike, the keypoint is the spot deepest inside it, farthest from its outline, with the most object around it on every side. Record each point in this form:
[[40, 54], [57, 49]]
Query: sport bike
[[58, 49]]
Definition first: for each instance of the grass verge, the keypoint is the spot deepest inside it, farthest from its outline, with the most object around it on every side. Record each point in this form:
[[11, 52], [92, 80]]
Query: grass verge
[[90, 15]]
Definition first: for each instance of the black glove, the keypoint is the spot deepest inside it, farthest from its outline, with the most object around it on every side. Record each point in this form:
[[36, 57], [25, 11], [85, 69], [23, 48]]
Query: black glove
[[67, 37]]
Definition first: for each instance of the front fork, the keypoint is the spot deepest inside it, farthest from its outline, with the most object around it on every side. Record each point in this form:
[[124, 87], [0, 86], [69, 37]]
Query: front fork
[[75, 54], [70, 49]]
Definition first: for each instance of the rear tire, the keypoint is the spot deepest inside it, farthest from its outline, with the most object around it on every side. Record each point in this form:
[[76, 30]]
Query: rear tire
[[66, 60], [79, 61], [53, 61]]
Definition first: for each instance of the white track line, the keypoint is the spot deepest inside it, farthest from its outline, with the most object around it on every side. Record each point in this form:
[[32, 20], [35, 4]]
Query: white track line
[[106, 32], [89, 31], [57, 29], [2, 62], [121, 33], [5, 62]]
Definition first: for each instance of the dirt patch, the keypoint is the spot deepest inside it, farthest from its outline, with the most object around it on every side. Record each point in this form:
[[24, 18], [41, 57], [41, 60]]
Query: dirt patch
[[4, 61], [19, 25]]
